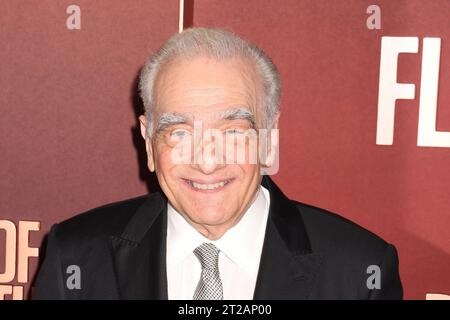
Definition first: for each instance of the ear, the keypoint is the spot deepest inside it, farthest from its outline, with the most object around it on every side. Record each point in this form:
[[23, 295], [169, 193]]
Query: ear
[[148, 143]]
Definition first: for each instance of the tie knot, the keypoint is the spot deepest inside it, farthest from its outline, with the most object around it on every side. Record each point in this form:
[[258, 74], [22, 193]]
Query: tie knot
[[208, 254]]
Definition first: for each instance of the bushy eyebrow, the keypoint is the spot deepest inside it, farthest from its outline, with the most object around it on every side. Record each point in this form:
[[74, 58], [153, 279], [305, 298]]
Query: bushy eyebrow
[[240, 113], [167, 119]]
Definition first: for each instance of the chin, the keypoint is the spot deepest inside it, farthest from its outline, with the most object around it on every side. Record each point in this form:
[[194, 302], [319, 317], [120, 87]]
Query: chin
[[210, 217]]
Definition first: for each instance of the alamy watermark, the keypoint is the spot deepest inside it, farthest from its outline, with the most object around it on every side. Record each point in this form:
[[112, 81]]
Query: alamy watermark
[[229, 146]]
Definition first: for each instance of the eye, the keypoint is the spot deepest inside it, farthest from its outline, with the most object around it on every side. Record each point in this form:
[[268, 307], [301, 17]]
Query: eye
[[179, 135], [234, 132]]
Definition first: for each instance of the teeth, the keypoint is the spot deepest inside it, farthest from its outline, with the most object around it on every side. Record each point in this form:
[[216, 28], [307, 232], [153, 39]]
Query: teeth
[[207, 186]]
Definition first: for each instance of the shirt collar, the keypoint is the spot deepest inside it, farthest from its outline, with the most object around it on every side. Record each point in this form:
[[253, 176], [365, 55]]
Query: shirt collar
[[242, 244]]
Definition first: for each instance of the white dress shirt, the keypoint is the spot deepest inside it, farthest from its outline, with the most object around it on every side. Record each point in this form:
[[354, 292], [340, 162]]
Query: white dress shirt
[[240, 253]]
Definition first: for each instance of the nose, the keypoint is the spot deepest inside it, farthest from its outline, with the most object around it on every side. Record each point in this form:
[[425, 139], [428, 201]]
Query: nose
[[208, 159]]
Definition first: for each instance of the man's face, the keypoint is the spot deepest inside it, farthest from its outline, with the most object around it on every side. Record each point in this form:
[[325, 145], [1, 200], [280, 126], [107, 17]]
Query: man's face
[[211, 196]]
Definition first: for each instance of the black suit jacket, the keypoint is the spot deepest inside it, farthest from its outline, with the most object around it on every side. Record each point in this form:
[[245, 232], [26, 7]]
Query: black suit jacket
[[308, 253]]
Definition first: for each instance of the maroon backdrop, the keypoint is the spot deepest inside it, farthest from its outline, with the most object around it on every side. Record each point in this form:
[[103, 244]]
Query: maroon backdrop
[[68, 127]]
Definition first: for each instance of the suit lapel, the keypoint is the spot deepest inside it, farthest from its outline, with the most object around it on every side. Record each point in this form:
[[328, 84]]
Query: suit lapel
[[139, 253], [288, 267]]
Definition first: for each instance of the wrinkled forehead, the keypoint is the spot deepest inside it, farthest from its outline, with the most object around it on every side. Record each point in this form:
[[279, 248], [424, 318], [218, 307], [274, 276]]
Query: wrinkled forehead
[[206, 87]]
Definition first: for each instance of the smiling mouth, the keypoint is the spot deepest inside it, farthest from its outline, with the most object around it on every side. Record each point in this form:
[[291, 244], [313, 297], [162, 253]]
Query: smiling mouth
[[207, 186]]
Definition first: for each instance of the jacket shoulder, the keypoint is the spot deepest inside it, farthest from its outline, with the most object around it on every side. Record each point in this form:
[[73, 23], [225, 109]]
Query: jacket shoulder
[[329, 231], [350, 254], [103, 221]]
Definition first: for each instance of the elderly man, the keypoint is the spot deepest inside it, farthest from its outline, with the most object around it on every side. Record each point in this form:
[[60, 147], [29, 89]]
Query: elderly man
[[219, 229]]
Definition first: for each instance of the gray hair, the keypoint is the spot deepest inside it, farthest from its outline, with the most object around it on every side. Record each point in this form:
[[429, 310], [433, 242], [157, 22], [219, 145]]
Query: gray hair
[[220, 45]]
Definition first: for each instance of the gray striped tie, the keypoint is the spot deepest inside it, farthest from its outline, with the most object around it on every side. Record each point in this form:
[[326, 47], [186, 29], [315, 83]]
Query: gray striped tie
[[209, 286]]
